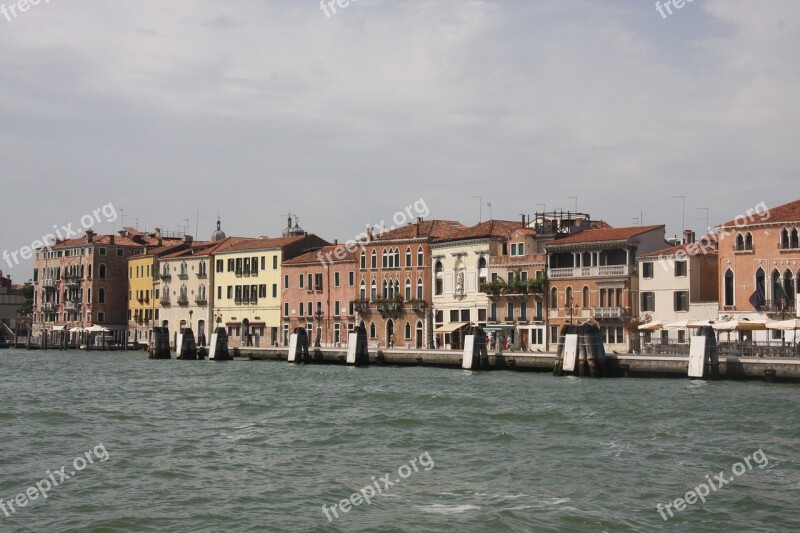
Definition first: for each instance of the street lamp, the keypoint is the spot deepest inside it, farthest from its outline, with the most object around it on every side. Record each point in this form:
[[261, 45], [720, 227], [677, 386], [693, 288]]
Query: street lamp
[[319, 314]]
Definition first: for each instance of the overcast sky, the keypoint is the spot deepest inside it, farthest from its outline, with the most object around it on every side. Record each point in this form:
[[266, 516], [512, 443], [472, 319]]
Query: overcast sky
[[250, 109]]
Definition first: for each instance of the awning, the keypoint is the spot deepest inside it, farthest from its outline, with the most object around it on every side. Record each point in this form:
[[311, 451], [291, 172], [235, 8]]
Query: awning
[[451, 327], [498, 327], [59, 328]]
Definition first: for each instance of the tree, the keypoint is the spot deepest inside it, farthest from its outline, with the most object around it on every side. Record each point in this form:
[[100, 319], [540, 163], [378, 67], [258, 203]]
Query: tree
[[26, 309]]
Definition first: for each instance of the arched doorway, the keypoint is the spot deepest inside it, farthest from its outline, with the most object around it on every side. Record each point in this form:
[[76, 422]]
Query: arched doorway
[[419, 334], [389, 332], [201, 332], [246, 338]]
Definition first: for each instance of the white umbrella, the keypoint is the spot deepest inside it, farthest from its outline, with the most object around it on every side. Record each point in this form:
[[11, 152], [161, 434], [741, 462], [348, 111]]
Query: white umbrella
[[97, 329], [740, 324], [680, 324], [785, 325], [652, 326], [76, 330]]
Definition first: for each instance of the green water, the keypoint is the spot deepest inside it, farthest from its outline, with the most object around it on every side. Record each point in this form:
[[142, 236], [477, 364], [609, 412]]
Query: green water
[[257, 446]]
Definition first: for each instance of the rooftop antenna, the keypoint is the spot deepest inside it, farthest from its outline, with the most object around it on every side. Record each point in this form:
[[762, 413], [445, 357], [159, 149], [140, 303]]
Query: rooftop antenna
[[576, 201], [683, 213], [197, 223], [185, 226], [122, 217], [480, 208], [707, 227], [489, 205]]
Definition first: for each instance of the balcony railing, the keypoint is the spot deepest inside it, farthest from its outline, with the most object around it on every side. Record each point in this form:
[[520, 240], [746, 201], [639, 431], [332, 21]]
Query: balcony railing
[[237, 300], [165, 301], [608, 312], [165, 276], [202, 274], [254, 300], [592, 272], [72, 307], [49, 283], [778, 307], [48, 306], [183, 301], [73, 282], [183, 275], [201, 300]]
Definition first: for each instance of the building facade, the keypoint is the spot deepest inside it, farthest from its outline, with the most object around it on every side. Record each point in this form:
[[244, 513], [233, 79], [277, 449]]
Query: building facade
[[460, 276], [592, 275], [318, 292], [759, 265], [84, 281], [247, 281], [677, 285], [394, 283]]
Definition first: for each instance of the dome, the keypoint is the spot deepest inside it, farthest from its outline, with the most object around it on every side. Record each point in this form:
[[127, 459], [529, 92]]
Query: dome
[[218, 234]]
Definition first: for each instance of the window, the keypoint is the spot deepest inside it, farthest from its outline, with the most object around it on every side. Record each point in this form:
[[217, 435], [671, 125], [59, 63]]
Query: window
[[408, 257], [102, 271], [335, 279], [729, 288], [680, 269], [119, 252], [419, 289], [351, 278], [454, 315], [301, 309], [310, 282], [408, 289], [510, 311], [585, 297], [513, 248], [373, 290], [230, 292], [682, 336], [302, 280], [102, 251], [554, 298], [336, 308], [286, 309], [647, 269], [493, 314], [318, 281], [219, 293], [523, 311], [648, 301], [408, 331], [231, 265], [101, 296], [420, 257], [374, 263], [274, 290], [363, 260], [681, 300], [438, 270], [286, 281], [363, 290], [465, 315]]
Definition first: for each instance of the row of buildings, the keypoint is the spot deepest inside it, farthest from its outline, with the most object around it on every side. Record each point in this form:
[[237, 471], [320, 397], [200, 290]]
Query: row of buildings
[[423, 284]]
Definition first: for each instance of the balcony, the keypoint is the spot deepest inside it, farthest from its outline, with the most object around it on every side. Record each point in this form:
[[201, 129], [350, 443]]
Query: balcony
[[183, 301], [49, 283], [72, 307], [73, 283], [361, 306], [237, 300], [254, 300], [48, 306], [165, 276], [779, 307], [592, 272], [165, 301], [183, 275], [201, 300], [608, 312], [202, 274]]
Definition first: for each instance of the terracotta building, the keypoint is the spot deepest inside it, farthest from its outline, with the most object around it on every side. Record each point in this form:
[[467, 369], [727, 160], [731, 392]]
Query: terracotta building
[[84, 281], [318, 291], [592, 275], [759, 264], [394, 283]]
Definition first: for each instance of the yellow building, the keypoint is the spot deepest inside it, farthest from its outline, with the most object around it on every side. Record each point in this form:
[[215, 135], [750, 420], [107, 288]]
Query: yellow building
[[143, 291], [248, 284]]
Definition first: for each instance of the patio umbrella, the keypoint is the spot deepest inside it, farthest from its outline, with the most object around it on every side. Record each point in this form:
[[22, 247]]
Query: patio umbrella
[[740, 324], [76, 330], [680, 324], [652, 326], [97, 329], [785, 325]]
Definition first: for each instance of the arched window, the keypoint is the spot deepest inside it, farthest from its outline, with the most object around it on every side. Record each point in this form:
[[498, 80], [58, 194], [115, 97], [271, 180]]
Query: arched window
[[385, 291], [761, 283], [408, 257], [102, 271], [585, 297], [384, 259], [420, 294], [793, 240], [554, 298], [373, 290], [568, 297], [408, 288], [729, 288], [372, 330], [483, 273], [397, 257], [363, 292], [739, 242], [748, 241], [374, 263], [408, 330], [363, 260], [777, 288], [785, 238], [438, 270], [101, 296], [396, 287], [420, 257], [788, 286]]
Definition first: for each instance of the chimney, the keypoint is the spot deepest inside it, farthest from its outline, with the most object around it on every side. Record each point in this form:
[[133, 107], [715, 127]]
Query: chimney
[[523, 221], [89, 236], [111, 238], [158, 233], [336, 242], [369, 233], [688, 237], [188, 239]]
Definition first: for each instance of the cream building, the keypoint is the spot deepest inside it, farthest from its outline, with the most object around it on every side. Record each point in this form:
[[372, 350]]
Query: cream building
[[460, 266], [247, 286]]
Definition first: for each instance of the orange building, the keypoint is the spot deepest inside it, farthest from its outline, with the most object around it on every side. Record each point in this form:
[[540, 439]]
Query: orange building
[[592, 275], [319, 288], [759, 263]]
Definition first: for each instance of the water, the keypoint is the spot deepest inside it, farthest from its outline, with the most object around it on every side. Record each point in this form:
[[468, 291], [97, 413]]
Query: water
[[257, 446]]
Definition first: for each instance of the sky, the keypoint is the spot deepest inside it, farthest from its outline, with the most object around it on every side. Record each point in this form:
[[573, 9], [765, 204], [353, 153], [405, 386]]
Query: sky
[[176, 112]]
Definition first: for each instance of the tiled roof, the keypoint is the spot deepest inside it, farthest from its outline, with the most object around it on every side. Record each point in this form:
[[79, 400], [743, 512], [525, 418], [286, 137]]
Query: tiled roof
[[604, 235], [313, 256], [490, 228], [263, 243], [689, 249], [783, 213], [433, 229], [118, 241]]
